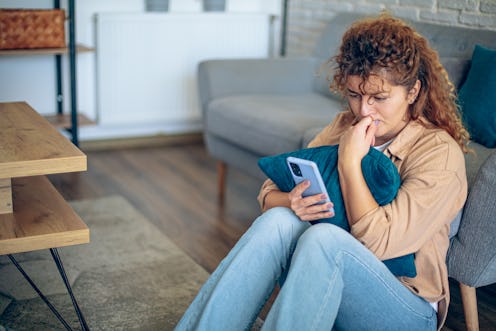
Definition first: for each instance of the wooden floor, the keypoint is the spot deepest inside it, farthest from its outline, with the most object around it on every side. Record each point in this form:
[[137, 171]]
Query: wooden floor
[[175, 188]]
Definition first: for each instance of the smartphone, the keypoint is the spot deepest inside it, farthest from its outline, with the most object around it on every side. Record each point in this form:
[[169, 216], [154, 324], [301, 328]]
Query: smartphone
[[301, 170]]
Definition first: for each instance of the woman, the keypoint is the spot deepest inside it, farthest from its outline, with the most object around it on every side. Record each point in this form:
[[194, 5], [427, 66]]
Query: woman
[[401, 102]]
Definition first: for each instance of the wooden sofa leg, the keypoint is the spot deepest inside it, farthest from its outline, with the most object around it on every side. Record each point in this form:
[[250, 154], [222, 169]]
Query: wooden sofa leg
[[469, 300], [221, 181]]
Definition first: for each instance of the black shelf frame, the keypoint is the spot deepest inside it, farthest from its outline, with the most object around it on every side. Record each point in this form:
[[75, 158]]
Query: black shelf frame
[[72, 72]]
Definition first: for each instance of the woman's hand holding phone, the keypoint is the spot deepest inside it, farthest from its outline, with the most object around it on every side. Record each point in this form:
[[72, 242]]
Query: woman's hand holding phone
[[309, 208], [309, 198]]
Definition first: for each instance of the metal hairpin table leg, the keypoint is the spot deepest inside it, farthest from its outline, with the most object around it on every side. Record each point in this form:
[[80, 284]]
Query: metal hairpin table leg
[[41, 295], [60, 266]]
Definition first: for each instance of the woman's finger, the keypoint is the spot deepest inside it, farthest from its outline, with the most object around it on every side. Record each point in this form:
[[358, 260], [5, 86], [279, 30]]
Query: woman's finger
[[370, 135]]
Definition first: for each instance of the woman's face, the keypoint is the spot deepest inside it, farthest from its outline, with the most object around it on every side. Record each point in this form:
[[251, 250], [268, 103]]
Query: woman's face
[[385, 103]]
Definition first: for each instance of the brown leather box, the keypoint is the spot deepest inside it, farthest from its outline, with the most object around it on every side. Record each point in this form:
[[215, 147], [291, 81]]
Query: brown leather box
[[32, 28]]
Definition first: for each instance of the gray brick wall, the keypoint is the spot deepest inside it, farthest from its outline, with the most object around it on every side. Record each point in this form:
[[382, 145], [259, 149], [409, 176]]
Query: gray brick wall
[[307, 18]]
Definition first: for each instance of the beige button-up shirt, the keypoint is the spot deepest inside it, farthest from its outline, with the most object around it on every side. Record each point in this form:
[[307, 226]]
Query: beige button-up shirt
[[433, 190]]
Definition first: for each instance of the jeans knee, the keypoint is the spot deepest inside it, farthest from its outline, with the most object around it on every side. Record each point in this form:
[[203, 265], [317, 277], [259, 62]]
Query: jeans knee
[[279, 222], [326, 236], [279, 212], [278, 217]]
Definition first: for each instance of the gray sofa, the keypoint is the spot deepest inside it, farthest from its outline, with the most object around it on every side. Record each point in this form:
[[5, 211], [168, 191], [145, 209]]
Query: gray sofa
[[258, 107]]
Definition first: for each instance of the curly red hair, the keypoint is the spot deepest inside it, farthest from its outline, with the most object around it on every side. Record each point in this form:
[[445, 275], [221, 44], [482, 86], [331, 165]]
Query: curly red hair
[[384, 44]]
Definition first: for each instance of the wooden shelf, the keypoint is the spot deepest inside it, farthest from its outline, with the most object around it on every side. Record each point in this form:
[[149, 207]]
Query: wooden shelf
[[64, 121], [44, 51], [41, 219]]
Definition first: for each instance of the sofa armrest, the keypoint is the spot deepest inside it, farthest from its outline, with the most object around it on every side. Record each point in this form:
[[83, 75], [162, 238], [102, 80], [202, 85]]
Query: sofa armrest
[[472, 254], [218, 78]]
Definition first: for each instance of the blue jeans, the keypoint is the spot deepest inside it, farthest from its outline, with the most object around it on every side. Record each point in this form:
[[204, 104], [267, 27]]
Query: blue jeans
[[329, 280]]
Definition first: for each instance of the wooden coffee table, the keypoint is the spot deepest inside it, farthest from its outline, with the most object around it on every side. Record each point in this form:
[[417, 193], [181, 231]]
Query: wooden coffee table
[[33, 215]]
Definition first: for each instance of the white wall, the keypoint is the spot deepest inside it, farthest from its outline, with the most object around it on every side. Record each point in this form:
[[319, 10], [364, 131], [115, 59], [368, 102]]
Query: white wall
[[32, 78]]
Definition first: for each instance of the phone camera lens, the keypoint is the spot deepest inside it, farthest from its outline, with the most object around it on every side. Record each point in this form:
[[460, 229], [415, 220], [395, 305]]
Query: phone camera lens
[[296, 169]]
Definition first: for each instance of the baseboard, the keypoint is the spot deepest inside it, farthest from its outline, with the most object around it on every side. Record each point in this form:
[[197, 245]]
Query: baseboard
[[138, 142]]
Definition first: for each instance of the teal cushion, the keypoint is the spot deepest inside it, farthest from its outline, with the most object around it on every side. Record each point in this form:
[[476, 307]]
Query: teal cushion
[[379, 172], [477, 97]]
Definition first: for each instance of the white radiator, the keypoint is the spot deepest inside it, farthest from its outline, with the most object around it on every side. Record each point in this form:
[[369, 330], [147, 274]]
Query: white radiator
[[147, 63]]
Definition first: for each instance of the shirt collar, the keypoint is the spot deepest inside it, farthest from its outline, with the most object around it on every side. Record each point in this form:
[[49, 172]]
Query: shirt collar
[[404, 141]]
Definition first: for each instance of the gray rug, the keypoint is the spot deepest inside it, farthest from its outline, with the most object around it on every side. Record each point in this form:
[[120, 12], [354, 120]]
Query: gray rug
[[130, 277]]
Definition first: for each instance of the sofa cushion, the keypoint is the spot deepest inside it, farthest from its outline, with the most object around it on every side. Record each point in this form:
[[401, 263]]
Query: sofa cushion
[[477, 97], [269, 124], [473, 161], [472, 256], [379, 172], [456, 68]]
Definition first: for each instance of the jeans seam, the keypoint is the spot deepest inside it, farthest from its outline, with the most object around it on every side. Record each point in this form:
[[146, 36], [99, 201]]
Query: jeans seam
[[331, 284]]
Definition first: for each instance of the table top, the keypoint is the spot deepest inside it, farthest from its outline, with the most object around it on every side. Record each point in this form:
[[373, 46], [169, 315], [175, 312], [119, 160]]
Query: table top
[[30, 146]]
